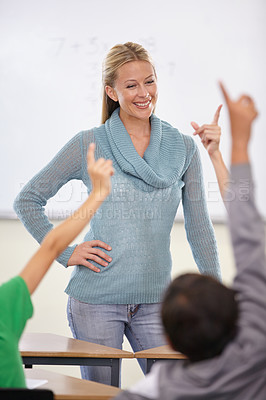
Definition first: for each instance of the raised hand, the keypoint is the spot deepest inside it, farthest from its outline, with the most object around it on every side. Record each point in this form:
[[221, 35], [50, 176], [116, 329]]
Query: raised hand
[[210, 134], [100, 172], [242, 113]]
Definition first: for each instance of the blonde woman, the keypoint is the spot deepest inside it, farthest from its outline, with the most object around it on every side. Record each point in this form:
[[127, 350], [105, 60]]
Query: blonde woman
[[124, 263]]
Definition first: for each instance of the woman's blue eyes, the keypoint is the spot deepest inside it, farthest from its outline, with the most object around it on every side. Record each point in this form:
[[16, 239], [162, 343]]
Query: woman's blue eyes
[[134, 85]]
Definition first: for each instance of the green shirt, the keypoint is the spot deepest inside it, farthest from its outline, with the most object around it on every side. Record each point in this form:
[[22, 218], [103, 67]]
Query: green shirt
[[15, 309]]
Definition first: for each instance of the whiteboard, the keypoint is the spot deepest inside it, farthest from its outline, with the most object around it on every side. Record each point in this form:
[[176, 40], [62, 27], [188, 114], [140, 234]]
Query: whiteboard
[[50, 83]]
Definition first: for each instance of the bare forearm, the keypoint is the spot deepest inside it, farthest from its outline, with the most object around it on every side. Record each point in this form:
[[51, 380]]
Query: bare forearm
[[63, 234], [221, 171], [57, 240], [37, 267], [240, 141], [239, 154], [60, 237]]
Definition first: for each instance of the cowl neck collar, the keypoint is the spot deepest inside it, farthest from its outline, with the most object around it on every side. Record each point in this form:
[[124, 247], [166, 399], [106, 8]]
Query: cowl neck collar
[[163, 159]]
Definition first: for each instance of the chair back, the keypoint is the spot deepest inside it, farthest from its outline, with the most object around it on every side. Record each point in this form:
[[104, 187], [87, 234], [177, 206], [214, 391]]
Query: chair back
[[26, 394]]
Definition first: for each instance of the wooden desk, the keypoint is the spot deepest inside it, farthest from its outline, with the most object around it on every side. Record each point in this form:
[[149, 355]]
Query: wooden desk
[[159, 354], [69, 388], [51, 349]]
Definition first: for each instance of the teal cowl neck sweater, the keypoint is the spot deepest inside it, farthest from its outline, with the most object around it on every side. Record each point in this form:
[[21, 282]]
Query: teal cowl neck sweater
[[163, 160], [137, 217]]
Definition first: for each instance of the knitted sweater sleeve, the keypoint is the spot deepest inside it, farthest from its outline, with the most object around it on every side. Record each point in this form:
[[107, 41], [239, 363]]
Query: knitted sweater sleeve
[[199, 229], [30, 202], [248, 238]]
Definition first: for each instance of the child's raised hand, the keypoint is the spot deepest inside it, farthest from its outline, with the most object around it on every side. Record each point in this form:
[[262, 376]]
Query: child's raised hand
[[100, 172], [242, 113]]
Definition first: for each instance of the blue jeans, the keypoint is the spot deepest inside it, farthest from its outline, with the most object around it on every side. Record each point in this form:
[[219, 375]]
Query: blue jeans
[[106, 324]]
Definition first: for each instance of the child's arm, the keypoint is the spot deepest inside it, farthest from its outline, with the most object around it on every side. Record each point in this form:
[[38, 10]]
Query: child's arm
[[59, 238]]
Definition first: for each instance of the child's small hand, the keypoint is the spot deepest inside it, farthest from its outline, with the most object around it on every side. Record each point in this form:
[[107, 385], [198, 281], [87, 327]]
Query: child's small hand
[[100, 172], [242, 113]]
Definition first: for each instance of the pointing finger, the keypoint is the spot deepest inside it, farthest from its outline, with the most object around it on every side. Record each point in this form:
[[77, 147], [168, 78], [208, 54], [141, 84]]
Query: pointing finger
[[90, 155], [194, 126], [217, 115], [225, 94]]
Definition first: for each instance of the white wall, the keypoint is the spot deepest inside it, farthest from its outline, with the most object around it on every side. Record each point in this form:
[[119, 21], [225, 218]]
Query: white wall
[[16, 247], [50, 86]]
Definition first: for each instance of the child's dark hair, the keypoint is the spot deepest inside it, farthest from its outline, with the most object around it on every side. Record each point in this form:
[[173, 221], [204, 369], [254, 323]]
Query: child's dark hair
[[199, 316]]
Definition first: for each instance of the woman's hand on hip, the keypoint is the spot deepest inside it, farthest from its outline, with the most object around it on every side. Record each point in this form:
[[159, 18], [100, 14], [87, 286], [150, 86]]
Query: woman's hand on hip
[[87, 251]]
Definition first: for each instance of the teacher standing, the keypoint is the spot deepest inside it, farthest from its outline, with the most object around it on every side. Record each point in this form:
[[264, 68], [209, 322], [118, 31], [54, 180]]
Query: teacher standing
[[124, 263]]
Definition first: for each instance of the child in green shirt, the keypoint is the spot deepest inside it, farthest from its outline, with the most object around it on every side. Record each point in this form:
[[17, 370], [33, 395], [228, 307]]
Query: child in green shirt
[[15, 302]]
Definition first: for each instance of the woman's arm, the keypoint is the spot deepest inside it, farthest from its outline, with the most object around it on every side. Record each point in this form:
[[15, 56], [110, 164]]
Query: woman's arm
[[210, 135], [199, 229], [60, 237], [30, 202], [69, 163], [242, 113]]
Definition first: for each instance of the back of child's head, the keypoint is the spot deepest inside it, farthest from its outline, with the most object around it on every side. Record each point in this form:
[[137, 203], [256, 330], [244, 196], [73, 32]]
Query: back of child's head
[[199, 316]]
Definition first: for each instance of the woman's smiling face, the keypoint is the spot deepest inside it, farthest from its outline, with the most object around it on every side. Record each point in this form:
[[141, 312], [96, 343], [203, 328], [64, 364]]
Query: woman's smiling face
[[135, 89]]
